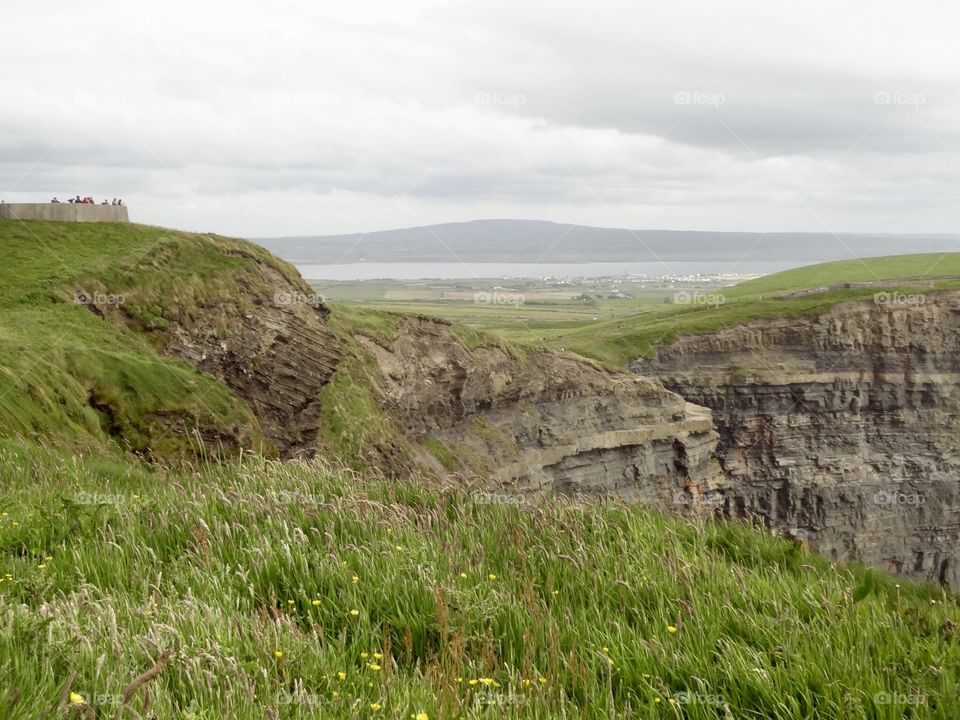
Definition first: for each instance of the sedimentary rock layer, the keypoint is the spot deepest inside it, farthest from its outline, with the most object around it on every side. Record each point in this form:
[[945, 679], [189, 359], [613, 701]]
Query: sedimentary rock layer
[[840, 429], [541, 422]]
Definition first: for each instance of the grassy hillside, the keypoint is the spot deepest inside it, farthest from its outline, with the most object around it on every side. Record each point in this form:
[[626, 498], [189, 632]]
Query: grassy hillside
[[68, 377], [260, 589], [618, 341]]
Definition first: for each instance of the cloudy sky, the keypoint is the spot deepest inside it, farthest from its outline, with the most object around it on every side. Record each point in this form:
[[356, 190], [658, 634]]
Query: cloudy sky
[[299, 117]]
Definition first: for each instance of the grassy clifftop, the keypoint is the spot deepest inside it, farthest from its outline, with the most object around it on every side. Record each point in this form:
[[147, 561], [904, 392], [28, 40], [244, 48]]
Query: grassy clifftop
[[618, 341], [68, 377], [299, 590]]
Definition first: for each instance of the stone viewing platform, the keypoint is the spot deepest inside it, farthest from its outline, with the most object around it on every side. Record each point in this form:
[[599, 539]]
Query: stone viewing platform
[[65, 212]]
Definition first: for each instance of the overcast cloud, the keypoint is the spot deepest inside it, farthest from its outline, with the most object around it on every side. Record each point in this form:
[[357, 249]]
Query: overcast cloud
[[296, 117]]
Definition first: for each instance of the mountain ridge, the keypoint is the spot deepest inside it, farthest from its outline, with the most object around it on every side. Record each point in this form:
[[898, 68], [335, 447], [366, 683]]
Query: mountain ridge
[[532, 241]]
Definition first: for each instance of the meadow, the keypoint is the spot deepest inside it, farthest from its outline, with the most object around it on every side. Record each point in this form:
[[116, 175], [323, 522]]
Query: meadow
[[615, 331], [260, 589]]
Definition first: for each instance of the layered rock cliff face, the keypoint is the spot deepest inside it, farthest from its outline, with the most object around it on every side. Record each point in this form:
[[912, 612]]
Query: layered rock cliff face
[[842, 430], [403, 394], [542, 423], [276, 353], [248, 320]]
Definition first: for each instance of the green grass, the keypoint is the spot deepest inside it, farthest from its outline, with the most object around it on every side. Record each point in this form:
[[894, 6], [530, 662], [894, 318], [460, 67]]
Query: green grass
[[616, 331], [528, 310], [557, 609], [75, 379], [616, 342]]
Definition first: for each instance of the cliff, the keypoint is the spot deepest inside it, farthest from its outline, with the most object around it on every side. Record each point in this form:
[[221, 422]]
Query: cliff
[[540, 422], [235, 352], [839, 429]]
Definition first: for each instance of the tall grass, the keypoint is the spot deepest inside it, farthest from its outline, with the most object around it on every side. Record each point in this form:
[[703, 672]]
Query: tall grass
[[269, 590]]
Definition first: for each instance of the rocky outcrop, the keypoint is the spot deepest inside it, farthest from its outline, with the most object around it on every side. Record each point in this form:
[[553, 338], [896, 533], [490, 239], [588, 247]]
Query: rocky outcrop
[[276, 352], [841, 429], [541, 422], [238, 314]]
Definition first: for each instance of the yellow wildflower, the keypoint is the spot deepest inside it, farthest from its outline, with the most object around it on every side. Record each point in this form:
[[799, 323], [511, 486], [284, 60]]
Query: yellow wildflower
[[374, 667], [355, 579], [342, 675], [377, 656], [354, 612], [315, 602], [491, 576], [422, 716], [75, 698], [364, 655], [463, 575], [375, 706], [671, 629]]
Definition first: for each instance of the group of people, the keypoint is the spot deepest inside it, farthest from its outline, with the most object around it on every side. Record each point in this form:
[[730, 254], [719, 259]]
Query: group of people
[[89, 201]]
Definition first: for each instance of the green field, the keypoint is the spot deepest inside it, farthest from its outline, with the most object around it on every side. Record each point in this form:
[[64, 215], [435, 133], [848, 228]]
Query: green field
[[618, 342], [524, 310], [616, 331], [261, 589]]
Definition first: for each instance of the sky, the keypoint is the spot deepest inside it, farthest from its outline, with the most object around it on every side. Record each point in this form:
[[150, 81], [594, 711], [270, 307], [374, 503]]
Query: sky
[[299, 117]]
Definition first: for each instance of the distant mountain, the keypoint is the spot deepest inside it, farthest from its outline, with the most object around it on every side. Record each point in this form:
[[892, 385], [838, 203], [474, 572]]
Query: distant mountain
[[531, 241]]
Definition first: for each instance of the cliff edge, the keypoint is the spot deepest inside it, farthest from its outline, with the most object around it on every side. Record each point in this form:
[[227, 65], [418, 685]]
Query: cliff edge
[[839, 429]]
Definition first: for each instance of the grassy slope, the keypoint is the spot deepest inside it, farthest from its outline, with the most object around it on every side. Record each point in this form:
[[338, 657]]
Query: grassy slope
[[548, 611], [60, 361], [618, 341]]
